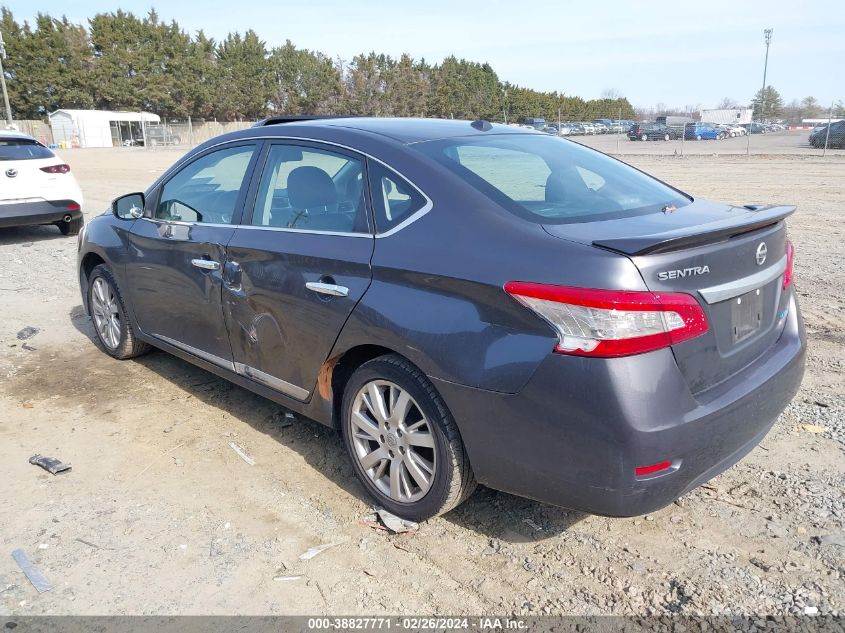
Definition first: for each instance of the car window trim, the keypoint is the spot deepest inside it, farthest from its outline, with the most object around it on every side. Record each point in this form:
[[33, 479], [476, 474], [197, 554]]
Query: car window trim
[[416, 215], [153, 200], [255, 182], [267, 139]]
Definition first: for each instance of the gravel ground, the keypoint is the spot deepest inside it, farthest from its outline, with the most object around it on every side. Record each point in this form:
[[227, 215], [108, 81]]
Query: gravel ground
[[160, 516]]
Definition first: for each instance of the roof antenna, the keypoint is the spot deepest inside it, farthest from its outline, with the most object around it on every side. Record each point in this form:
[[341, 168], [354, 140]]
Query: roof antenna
[[482, 125]]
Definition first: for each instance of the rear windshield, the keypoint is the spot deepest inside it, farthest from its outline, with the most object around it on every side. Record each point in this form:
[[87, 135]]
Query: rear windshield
[[551, 180], [22, 149]]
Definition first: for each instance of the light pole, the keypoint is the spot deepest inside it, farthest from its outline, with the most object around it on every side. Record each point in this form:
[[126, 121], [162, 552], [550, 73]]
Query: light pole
[[3, 82], [767, 36]]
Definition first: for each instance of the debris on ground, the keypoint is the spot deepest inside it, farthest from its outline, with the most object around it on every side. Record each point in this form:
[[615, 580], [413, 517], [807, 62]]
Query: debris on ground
[[533, 525], [389, 522], [27, 333], [282, 419], [50, 464], [812, 428], [832, 539], [287, 578], [38, 580], [311, 553], [243, 455]]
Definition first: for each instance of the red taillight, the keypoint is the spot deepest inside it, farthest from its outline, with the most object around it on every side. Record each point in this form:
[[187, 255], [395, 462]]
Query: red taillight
[[73, 207], [790, 260], [57, 169], [641, 471], [610, 323]]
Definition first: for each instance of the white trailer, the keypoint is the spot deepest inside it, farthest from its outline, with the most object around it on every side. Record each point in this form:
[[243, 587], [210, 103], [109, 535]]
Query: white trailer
[[732, 115], [98, 128]]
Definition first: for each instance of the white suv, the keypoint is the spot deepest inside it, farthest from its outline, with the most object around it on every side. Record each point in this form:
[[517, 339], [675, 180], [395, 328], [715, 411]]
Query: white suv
[[36, 187]]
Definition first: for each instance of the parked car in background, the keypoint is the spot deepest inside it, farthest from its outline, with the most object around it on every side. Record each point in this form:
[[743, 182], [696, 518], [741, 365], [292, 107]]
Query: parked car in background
[[755, 128], [589, 128], [36, 186], [604, 342], [538, 123], [652, 132], [161, 135], [601, 128], [703, 132], [576, 129], [836, 138], [736, 130]]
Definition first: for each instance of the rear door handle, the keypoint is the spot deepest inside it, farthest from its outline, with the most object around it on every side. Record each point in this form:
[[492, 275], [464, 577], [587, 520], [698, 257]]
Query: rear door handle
[[206, 264], [333, 290]]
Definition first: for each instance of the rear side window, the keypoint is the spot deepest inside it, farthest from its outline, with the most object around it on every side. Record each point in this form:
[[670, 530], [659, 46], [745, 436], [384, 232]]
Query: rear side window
[[550, 180], [311, 189], [22, 149], [394, 198]]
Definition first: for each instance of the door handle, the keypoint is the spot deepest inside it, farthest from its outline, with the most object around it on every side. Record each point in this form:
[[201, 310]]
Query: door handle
[[332, 290], [206, 264]]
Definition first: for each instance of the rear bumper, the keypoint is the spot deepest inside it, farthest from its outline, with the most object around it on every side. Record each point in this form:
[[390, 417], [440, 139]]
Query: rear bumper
[[41, 212], [580, 427]]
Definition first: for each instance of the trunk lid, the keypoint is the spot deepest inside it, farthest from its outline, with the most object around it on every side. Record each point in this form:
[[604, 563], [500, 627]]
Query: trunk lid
[[731, 259]]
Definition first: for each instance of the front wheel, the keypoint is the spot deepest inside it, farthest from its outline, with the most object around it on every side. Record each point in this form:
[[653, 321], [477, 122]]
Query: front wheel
[[666, 137], [112, 326], [644, 137], [698, 137], [404, 445]]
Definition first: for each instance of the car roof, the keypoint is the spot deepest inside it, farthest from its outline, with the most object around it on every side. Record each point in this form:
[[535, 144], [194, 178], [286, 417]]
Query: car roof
[[15, 134], [403, 130]]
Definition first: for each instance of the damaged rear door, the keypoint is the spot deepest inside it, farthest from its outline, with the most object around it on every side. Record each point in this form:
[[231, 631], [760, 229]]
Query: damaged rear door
[[298, 264]]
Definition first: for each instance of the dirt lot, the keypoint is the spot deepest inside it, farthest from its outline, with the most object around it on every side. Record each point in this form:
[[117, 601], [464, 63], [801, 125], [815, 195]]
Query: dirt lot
[[159, 515]]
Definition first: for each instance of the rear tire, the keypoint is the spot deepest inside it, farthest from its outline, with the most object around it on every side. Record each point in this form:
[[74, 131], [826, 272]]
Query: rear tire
[[114, 331], [404, 444], [71, 228], [698, 137]]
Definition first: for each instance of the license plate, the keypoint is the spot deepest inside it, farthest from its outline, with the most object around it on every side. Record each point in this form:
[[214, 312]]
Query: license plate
[[747, 314]]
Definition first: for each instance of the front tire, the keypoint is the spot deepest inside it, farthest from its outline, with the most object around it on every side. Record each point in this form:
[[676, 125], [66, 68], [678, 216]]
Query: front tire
[[115, 333], [644, 137], [403, 442]]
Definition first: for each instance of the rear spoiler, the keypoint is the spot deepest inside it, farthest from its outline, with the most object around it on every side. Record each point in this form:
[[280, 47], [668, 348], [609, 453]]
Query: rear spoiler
[[758, 217]]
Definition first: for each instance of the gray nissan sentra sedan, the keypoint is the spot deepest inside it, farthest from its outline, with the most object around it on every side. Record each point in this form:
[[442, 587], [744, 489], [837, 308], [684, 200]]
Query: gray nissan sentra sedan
[[466, 302]]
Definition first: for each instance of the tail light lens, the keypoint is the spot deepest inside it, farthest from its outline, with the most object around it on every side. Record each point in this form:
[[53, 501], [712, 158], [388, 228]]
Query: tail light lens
[[57, 169], [790, 260], [611, 323]]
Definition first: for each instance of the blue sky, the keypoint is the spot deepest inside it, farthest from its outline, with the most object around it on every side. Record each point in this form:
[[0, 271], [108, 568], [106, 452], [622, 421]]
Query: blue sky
[[672, 52]]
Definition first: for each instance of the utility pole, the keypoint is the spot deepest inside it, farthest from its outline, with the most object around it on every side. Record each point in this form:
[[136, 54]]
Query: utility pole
[[767, 35], [3, 82]]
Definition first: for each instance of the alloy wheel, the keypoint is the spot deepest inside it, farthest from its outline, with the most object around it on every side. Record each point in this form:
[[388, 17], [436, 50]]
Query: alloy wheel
[[104, 309], [393, 441]]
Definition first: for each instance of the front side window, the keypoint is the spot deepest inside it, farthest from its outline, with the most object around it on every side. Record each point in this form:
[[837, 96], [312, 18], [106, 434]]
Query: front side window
[[207, 189], [550, 180], [22, 149], [311, 189]]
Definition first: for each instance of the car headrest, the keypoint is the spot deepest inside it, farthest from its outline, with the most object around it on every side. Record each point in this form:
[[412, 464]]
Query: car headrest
[[310, 187]]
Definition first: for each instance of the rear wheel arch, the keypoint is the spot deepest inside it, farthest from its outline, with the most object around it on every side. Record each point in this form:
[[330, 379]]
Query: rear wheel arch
[[341, 368]]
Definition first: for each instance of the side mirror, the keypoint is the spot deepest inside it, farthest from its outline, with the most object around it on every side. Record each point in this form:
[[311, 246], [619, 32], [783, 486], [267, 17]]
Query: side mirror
[[128, 207]]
